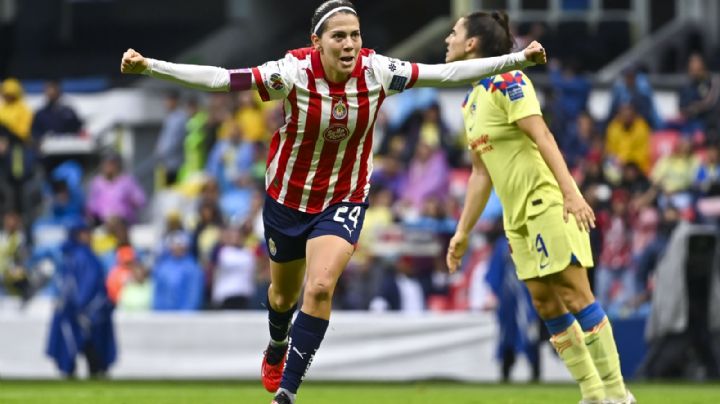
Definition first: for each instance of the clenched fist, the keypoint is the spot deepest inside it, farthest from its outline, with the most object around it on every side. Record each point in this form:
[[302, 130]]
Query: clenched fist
[[535, 53], [133, 62]]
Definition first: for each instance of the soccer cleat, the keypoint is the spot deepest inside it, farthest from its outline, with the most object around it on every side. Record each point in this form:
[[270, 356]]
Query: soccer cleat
[[282, 398], [272, 367], [629, 399]]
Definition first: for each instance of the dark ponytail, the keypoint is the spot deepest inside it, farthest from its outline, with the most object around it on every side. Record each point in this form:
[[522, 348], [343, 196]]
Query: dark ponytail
[[493, 30]]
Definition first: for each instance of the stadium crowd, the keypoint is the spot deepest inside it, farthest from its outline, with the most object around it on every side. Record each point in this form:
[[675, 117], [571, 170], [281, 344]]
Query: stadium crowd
[[641, 174]]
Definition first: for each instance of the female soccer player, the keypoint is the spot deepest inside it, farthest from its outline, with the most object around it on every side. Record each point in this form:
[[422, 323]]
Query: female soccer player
[[319, 163], [546, 219]]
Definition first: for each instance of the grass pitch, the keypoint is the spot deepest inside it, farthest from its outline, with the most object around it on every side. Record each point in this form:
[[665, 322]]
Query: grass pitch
[[226, 392]]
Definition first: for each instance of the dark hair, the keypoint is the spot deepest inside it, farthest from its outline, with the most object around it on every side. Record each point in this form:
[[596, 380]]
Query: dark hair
[[324, 9], [493, 29]]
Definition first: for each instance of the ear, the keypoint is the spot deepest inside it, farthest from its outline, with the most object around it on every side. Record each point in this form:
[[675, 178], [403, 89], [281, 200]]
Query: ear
[[472, 45], [315, 39]]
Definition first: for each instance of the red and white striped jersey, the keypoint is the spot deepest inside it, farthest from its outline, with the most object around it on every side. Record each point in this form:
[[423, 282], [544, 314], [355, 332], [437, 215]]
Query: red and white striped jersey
[[323, 153]]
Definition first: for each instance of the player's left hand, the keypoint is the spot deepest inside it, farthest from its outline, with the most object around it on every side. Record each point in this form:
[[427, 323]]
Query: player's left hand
[[456, 250], [576, 205], [535, 53]]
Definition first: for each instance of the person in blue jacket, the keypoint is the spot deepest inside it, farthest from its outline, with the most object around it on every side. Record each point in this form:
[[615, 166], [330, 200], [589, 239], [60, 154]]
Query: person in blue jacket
[[82, 319]]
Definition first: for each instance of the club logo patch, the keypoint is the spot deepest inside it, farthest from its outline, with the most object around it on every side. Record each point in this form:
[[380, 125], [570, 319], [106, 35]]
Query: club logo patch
[[336, 133], [276, 82], [340, 111], [515, 92], [398, 83], [272, 247]]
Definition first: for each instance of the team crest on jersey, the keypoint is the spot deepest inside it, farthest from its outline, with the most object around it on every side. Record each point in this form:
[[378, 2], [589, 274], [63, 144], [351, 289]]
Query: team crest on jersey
[[340, 111], [276, 82], [272, 247], [336, 133]]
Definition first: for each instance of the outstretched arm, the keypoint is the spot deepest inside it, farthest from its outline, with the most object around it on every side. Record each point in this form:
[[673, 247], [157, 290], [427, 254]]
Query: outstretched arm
[[478, 192], [467, 71], [209, 78]]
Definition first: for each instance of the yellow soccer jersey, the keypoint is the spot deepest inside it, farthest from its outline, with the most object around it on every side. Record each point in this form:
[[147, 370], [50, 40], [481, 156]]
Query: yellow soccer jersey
[[522, 180]]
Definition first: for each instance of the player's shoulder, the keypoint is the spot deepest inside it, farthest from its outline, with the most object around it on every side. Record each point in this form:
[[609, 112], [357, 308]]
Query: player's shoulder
[[511, 85]]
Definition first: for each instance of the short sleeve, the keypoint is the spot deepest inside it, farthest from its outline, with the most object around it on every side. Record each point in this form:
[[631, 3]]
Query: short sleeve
[[395, 75], [275, 79], [519, 96]]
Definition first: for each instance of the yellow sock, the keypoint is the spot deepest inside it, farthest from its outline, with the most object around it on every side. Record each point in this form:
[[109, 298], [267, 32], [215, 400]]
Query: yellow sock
[[570, 345], [601, 345]]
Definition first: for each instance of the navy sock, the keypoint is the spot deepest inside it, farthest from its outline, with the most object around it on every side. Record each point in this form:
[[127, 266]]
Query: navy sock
[[559, 324], [590, 316], [279, 323], [305, 338]]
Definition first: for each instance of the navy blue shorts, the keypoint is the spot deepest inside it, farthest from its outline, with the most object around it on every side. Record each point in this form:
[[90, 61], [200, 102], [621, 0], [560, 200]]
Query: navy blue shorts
[[287, 230]]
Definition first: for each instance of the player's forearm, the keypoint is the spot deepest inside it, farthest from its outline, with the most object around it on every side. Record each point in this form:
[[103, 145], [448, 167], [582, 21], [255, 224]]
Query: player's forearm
[[467, 71], [554, 159], [209, 78], [478, 192]]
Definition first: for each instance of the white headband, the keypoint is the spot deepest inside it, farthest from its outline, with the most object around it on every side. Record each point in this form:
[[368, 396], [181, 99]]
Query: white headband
[[329, 13]]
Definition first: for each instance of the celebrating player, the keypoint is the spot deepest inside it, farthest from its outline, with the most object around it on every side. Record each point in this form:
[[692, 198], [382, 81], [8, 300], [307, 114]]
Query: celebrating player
[[319, 164], [546, 219]]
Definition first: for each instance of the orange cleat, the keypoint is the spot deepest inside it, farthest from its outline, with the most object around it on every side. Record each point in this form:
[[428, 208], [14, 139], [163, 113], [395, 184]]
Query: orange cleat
[[272, 367]]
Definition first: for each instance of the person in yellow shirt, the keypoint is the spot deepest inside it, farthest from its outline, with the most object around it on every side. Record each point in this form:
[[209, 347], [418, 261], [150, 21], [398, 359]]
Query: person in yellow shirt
[[628, 138], [545, 217], [15, 141]]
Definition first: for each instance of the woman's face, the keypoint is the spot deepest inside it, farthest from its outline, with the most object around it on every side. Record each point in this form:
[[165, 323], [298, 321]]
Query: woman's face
[[458, 45], [339, 45]]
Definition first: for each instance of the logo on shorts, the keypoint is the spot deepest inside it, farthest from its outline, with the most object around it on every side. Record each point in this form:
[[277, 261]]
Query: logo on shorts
[[336, 133], [276, 82], [272, 247], [540, 247], [340, 111]]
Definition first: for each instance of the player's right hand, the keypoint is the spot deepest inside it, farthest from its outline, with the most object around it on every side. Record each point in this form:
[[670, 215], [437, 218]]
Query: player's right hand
[[535, 53], [133, 62], [456, 250]]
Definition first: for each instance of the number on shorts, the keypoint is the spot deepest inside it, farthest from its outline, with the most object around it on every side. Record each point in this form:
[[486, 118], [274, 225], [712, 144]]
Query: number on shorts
[[353, 216]]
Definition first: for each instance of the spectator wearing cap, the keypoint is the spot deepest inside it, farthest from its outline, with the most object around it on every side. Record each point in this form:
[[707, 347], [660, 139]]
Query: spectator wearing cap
[[114, 193], [177, 277], [121, 273]]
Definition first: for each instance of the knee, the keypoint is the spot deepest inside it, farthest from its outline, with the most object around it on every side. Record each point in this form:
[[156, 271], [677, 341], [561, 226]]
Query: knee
[[319, 290], [548, 307], [281, 302], [574, 300]]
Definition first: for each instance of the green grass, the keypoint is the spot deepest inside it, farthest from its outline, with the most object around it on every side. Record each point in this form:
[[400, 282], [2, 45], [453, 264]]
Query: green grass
[[196, 392]]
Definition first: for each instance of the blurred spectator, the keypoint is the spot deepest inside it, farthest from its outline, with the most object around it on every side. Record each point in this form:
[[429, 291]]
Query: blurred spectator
[[520, 325], [634, 88], [577, 139], [707, 177], [427, 176], [114, 193], [389, 173], [137, 294], [172, 227], [673, 176], [400, 290], [700, 99], [571, 90], [614, 281], [121, 273], [177, 278], [251, 118], [66, 197], [82, 320], [628, 138], [195, 144], [169, 147], [234, 273], [54, 117], [634, 180], [13, 253], [207, 231], [16, 156], [426, 126], [230, 161]]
